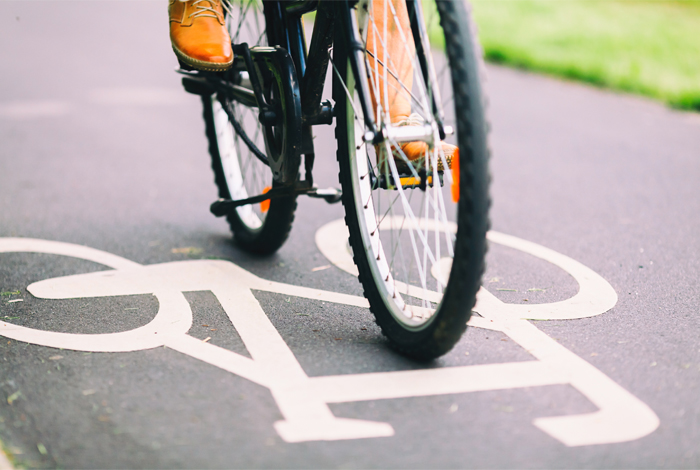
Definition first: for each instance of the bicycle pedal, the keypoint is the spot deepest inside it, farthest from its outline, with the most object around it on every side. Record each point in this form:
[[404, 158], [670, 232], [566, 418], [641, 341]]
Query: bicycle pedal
[[330, 195], [406, 181], [184, 66], [194, 82]]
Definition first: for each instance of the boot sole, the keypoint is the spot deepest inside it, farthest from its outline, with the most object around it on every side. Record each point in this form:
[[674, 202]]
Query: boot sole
[[200, 64]]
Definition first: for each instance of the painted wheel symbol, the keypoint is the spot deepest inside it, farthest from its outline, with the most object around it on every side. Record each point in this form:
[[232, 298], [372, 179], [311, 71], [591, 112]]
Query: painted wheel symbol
[[304, 400]]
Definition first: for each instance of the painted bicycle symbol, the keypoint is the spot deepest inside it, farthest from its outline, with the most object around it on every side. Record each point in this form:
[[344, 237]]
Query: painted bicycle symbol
[[303, 400]]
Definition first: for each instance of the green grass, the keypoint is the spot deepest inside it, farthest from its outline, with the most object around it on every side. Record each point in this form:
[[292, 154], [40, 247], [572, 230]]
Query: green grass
[[646, 47]]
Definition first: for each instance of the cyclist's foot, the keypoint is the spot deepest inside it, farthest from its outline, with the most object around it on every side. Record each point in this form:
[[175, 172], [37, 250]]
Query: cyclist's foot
[[416, 152], [398, 51], [198, 34]]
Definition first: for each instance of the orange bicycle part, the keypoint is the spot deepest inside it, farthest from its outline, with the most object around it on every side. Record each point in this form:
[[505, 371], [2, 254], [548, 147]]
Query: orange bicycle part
[[455, 176], [265, 205]]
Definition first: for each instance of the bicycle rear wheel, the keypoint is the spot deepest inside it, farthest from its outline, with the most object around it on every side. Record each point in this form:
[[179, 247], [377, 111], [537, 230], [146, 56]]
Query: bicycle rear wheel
[[260, 228], [420, 256]]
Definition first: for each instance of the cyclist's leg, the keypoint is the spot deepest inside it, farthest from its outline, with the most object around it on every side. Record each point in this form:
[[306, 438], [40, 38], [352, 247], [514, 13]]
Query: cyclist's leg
[[390, 42], [394, 100]]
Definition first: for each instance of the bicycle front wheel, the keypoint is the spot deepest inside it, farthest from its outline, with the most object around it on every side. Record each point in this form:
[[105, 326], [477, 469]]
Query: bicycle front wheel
[[420, 255]]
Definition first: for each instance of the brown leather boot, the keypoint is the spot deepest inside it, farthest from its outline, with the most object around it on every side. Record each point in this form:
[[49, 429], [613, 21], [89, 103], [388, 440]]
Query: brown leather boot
[[198, 34], [398, 50]]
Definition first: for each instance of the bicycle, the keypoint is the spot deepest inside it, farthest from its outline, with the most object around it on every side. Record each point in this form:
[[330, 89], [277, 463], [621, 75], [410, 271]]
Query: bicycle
[[417, 228]]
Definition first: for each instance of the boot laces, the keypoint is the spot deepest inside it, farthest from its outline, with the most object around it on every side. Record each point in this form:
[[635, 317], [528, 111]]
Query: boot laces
[[414, 119], [203, 11]]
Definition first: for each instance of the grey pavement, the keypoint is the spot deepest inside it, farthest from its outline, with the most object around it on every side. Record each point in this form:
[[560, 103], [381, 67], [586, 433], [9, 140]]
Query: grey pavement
[[100, 146]]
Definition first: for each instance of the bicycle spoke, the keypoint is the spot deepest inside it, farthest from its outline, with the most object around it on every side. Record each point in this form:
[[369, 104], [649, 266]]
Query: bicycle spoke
[[426, 243]]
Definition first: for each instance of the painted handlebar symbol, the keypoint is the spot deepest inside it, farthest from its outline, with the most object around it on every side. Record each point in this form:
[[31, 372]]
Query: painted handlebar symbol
[[302, 400]]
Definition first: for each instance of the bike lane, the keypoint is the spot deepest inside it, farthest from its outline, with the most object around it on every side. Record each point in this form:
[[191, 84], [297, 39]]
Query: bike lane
[[303, 401], [117, 162]]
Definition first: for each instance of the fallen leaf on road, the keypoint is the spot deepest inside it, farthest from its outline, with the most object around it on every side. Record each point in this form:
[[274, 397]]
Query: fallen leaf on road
[[187, 250], [11, 399]]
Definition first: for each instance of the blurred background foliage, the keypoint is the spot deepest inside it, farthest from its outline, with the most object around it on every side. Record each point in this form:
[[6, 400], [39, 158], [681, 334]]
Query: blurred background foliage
[[649, 47]]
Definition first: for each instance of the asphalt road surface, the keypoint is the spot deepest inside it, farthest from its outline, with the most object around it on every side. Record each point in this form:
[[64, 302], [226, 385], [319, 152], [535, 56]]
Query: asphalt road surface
[[101, 148]]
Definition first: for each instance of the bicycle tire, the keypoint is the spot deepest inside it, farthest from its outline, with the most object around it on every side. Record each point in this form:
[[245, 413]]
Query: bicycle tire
[[237, 171], [447, 316]]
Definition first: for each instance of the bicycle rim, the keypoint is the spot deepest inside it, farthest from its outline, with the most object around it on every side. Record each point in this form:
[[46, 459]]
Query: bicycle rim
[[404, 235]]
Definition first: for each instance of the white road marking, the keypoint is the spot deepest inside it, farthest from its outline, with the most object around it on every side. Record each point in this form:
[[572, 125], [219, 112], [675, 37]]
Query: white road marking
[[303, 401], [441, 270], [4, 462], [622, 417], [595, 296]]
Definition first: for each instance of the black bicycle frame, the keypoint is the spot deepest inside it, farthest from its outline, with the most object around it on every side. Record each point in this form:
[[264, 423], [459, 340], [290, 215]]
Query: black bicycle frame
[[334, 24], [332, 17]]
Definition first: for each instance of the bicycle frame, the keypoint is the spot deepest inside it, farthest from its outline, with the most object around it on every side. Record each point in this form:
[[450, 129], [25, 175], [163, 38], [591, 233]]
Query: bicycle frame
[[335, 24], [285, 29], [312, 66]]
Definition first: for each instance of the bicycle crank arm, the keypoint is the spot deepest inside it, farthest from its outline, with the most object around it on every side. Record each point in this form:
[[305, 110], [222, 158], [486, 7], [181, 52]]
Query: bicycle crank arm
[[223, 207]]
